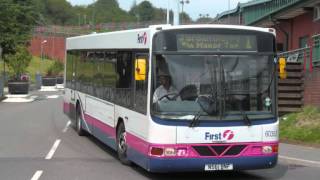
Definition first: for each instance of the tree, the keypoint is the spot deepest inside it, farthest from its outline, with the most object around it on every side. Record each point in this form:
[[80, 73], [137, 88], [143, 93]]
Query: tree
[[17, 18], [143, 12], [185, 18], [103, 11], [58, 11]]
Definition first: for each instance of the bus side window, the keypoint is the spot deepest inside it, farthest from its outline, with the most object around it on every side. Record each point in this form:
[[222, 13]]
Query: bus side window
[[124, 70]]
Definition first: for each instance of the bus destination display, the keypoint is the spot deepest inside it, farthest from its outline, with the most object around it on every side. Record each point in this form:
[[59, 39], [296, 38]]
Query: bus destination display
[[216, 42]]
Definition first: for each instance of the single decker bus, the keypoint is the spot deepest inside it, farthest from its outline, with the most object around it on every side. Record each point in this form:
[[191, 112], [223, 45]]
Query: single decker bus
[[177, 98]]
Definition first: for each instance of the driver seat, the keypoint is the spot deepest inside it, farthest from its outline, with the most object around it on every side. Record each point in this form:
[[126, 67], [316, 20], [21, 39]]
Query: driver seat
[[189, 93]]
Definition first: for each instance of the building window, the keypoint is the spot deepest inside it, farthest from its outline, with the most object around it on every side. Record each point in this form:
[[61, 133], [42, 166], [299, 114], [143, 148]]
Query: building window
[[280, 47], [303, 42]]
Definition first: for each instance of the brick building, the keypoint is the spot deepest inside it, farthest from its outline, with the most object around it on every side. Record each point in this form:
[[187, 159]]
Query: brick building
[[297, 23]]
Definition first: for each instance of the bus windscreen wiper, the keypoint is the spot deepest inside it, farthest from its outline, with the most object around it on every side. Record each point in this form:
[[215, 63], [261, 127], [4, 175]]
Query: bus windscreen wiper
[[245, 118], [195, 120]]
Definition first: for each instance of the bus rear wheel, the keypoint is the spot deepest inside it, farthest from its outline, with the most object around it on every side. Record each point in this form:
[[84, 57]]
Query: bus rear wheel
[[79, 120], [122, 145]]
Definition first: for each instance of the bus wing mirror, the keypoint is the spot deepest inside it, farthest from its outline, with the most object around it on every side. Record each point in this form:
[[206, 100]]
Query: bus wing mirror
[[140, 69], [282, 68]]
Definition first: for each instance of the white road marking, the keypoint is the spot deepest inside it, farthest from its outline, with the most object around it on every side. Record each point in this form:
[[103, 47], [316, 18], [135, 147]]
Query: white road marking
[[66, 127], [53, 149], [37, 175], [52, 96], [305, 162]]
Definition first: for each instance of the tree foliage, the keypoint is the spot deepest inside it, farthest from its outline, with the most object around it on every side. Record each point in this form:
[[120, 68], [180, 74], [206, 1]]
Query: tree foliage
[[60, 12], [17, 18], [143, 12]]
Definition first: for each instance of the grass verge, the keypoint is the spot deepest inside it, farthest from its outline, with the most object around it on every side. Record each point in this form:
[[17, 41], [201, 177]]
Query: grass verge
[[302, 127]]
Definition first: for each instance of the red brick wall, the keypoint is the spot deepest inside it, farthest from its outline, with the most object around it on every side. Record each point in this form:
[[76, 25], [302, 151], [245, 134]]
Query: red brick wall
[[297, 27], [312, 88], [54, 48]]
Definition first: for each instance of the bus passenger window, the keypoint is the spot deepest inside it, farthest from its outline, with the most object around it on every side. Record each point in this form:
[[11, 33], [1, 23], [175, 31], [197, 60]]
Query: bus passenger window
[[124, 70]]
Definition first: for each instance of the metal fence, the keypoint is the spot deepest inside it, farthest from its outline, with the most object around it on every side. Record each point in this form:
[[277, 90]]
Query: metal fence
[[308, 56]]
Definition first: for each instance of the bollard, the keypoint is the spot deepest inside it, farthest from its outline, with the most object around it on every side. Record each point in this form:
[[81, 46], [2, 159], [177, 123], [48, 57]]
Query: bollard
[[38, 81]]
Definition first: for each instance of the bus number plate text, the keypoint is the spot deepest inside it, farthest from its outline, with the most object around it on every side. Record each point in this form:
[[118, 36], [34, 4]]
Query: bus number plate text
[[218, 167]]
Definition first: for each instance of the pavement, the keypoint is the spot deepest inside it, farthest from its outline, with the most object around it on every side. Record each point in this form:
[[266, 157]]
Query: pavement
[[303, 155]]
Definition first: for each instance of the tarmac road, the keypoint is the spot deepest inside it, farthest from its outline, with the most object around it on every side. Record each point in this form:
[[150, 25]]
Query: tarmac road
[[37, 142]]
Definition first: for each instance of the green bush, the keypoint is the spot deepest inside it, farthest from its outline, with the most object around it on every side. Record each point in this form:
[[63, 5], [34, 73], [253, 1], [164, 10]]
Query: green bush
[[18, 62], [56, 69]]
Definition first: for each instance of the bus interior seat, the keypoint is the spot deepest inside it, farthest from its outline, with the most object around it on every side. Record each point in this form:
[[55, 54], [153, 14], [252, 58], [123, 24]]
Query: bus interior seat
[[189, 93]]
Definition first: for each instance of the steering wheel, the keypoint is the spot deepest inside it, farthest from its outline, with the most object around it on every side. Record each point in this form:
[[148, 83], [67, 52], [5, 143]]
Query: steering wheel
[[175, 95]]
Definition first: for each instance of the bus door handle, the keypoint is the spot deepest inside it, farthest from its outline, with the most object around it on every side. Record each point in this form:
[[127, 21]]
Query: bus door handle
[[126, 118]]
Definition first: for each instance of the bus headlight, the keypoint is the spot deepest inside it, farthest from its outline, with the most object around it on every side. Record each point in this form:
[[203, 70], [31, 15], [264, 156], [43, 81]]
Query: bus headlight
[[170, 152], [267, 149]]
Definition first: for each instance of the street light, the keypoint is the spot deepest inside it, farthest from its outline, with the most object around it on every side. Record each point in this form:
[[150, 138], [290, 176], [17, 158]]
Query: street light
[[1, 84], [182, 2], [41, 53]]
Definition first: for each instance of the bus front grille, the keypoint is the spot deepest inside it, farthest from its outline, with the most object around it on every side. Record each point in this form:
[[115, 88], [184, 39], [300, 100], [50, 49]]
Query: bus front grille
[[219, 150]]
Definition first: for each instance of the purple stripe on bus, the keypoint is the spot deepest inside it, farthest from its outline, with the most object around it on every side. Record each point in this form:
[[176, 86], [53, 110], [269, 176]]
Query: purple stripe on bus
[[110, 131], [142, 146], [252, 149], [66, 107]]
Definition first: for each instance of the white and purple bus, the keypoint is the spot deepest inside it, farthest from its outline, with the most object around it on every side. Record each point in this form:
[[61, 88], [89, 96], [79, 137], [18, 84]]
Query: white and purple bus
[[216, 111]]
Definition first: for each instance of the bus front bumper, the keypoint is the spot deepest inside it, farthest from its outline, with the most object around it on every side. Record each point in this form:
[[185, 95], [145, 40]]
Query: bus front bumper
[[199, 164]]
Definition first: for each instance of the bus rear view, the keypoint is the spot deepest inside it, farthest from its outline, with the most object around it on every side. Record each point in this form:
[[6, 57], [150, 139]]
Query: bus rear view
[[215, 87]]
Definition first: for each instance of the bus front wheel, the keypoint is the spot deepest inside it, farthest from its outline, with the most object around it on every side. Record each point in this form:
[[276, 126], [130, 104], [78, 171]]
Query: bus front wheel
[[122, 145]]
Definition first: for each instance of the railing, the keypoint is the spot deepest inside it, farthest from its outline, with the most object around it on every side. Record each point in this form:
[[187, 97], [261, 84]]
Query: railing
[[254, 13], [309, 56]]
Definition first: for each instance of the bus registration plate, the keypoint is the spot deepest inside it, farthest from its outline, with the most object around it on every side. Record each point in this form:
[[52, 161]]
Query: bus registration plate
[[218, 167]]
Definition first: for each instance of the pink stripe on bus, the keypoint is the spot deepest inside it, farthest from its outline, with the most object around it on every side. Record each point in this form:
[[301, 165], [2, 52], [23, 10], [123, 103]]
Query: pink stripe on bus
[[102, 126], [143, 147], [252, 149], [66, 107]]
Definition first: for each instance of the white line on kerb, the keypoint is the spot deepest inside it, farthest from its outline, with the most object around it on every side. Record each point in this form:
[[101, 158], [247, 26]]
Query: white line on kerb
[[317, 163], [53, 149], [37, 175], [66, 127]]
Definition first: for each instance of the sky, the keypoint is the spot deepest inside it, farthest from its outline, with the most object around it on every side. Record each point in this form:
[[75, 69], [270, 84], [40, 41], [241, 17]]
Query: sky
[[194, 8]]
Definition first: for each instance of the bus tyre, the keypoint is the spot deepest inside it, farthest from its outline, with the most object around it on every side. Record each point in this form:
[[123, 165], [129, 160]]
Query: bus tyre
[[122, 144], [79, 129]]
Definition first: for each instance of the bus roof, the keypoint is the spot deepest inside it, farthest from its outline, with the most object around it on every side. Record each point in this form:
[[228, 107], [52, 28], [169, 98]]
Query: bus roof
[[139, 38]]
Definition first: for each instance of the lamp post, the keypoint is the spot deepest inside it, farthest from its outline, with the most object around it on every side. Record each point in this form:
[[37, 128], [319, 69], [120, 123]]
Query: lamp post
[[182, 2], [41, 53], [168, 12], [3, 79], [39, 74], [94, 14]]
